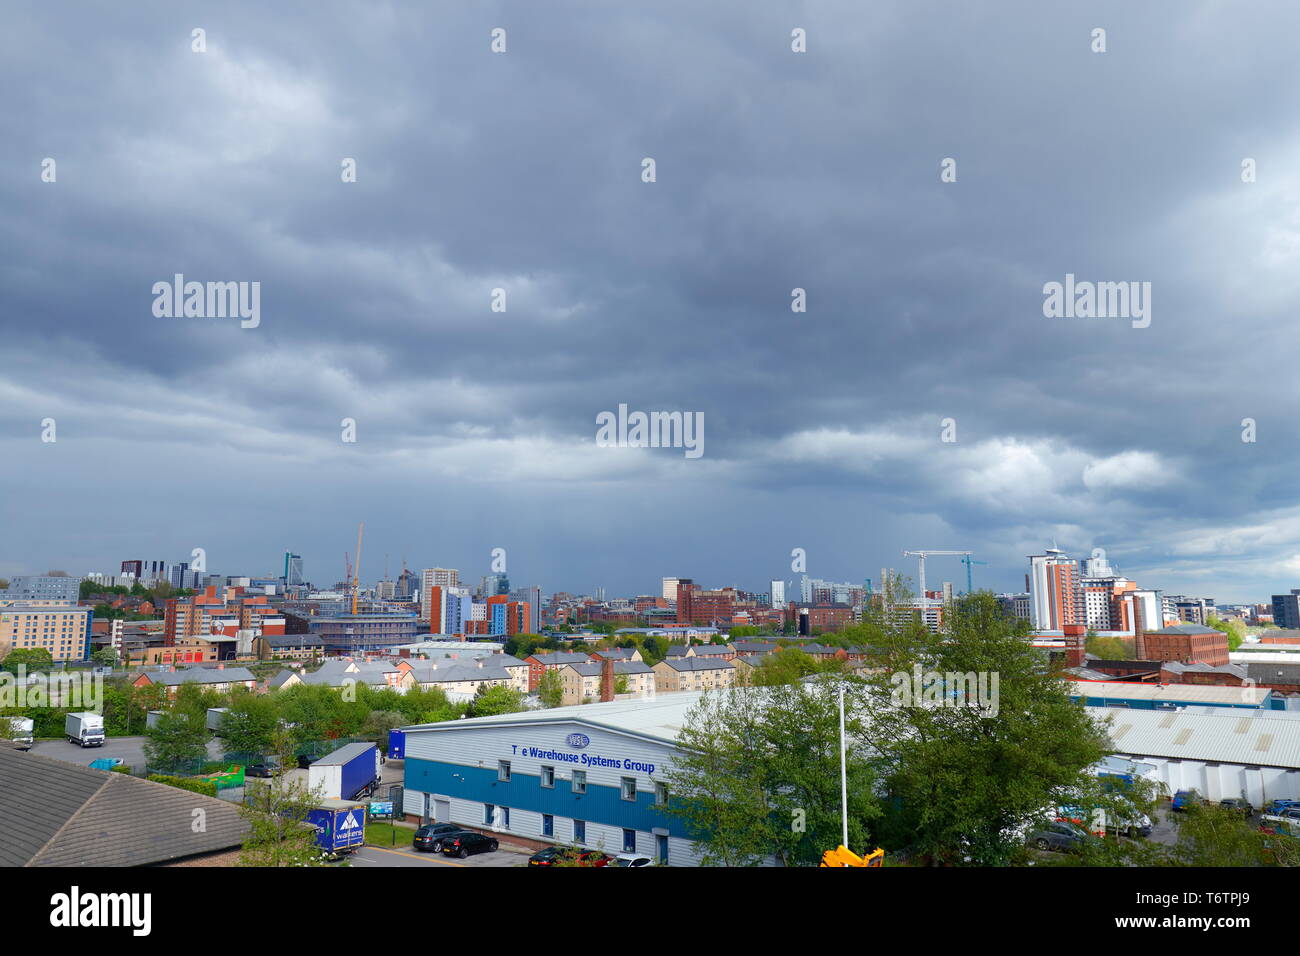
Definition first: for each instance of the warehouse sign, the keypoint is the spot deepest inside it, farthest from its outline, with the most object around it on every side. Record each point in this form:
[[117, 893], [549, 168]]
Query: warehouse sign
[[583, 760]]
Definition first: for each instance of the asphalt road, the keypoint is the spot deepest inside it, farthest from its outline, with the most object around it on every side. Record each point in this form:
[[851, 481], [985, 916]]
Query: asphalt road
[[129, 749]]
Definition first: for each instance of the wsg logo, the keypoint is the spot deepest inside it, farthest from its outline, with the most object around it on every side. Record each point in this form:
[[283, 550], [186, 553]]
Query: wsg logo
[[577, 741]]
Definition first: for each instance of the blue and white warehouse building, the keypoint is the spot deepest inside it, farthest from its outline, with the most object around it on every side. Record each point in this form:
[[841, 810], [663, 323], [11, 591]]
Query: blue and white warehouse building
[[590, 775]]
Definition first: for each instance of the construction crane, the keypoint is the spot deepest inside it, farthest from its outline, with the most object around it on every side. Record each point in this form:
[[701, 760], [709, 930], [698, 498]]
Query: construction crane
[[356, 572], [970, 587], [921, 556]]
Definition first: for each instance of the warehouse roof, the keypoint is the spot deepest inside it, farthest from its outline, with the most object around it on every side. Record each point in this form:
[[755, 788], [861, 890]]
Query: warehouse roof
[[1169, 693], [656, 718], [75, 816], [1250, 737], [1268, 673]]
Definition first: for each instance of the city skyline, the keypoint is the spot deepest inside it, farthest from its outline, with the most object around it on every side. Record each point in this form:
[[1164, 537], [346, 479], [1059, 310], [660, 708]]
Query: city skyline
[[838, 273]]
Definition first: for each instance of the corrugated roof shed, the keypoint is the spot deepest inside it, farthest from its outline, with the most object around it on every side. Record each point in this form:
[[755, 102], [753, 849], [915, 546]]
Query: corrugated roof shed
[[1224, 737], [63, 815]]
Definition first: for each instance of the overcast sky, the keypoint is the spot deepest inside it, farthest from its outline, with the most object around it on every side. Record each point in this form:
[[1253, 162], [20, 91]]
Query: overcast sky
[[775, 170]]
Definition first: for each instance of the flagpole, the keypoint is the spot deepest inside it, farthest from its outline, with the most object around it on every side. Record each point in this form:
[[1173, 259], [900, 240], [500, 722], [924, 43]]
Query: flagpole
[[844, 779]]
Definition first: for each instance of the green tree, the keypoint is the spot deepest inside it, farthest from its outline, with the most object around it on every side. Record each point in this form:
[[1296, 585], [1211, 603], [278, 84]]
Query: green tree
[[1109, 648], [104, 657], [785, 665], [1235, 630], [250, 724], [33, 658], [177, 743], [279, 833], [495, 700], [962, 772], [379, 723], [550, 689], [1219, 837]]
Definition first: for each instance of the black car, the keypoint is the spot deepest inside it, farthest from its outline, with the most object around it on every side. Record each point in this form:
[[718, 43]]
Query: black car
[[466, 842], [261, 770], [1237, 803], [430, 836]]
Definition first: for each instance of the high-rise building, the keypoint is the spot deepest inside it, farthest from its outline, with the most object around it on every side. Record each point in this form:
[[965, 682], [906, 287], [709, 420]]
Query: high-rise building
[[778, 594], [1055, 595], [1286, 609], [133, 568], [698, 606], [42, 588], [533, 597], [670, 588], [506, 618], [435, 577], [408, 585], [292, 569], [490, 585], [61, 629]]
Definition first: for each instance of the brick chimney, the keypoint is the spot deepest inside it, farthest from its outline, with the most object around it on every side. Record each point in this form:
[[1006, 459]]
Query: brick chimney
[[606, 680], [1139, 627]]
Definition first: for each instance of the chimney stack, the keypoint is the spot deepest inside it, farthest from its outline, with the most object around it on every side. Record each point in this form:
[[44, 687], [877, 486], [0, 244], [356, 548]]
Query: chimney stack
[[606, 680], [1140, 643]]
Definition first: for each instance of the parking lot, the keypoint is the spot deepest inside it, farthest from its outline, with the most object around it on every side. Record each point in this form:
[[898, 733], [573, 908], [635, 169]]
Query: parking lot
[[130, 750], [406, 856]]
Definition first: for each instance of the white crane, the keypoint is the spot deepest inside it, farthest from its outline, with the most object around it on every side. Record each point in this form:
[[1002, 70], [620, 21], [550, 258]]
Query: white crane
[[921, 556]]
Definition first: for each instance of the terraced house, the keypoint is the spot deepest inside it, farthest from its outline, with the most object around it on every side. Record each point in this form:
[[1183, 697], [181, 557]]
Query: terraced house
[[582, 682], [693, 673]]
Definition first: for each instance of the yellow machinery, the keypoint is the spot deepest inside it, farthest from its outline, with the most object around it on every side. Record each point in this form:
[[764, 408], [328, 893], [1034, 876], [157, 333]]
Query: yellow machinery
[[843, 856]]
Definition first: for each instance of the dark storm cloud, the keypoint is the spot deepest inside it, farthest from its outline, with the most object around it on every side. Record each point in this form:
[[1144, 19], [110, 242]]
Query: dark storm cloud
[[775, 171]]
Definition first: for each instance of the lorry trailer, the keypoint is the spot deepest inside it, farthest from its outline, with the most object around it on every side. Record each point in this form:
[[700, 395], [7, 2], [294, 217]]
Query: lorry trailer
[[348, 773], [340, 825], [85, 729]]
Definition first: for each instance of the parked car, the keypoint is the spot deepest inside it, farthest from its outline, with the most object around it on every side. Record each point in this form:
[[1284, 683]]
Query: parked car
[[1183, 798], [430, 836], [1059, 836], [567, 856], [632, 859], [466, 842], [261, 770], [1237, 803]]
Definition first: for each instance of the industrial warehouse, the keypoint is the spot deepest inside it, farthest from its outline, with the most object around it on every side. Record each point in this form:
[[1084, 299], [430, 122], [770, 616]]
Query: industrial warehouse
[[588, 775]]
